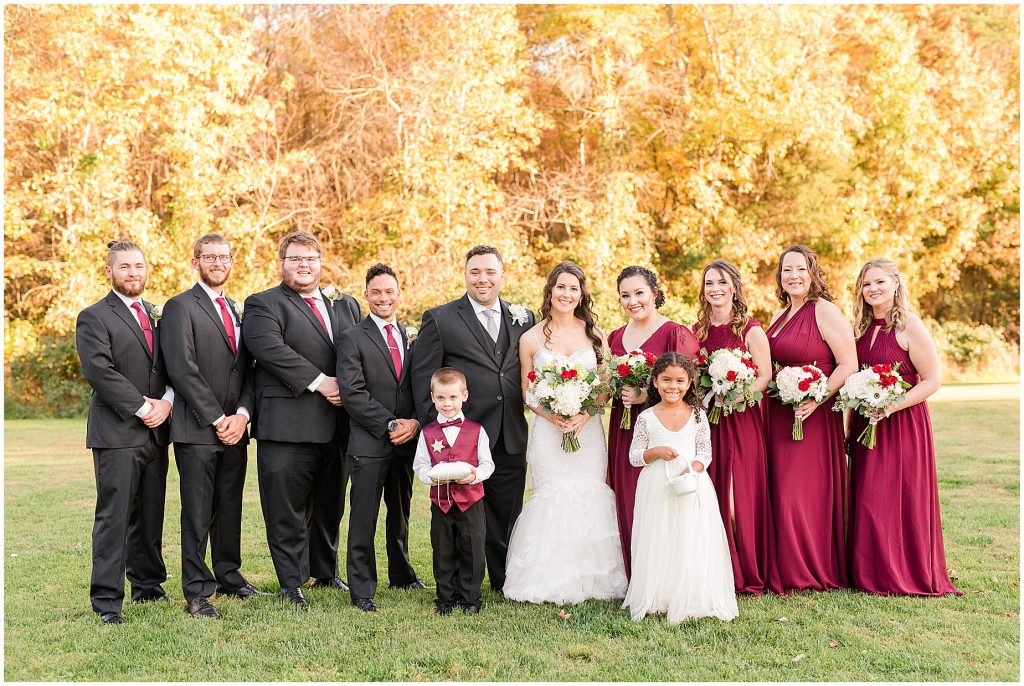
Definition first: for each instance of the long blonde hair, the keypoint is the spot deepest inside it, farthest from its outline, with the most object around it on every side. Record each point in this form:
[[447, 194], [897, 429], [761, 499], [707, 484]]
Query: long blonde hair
[[739, 303], [862, 312]]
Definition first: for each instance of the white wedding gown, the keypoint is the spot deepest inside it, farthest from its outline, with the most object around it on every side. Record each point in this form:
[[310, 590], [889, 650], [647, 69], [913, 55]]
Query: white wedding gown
[[565, 544]]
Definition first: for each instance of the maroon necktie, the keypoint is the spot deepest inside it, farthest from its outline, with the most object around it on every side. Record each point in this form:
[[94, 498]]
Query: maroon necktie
[[144, 323], [229, 324], [312, 305], [396, 356]]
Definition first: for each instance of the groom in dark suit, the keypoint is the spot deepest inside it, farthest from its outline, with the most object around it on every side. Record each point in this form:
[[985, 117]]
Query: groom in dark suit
[[478, 334], [300, 430], [119, 349], [209, 367], [373, 374]]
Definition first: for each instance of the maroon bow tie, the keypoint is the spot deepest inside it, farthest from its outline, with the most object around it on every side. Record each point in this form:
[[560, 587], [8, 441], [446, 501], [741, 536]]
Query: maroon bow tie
[[452, 422]]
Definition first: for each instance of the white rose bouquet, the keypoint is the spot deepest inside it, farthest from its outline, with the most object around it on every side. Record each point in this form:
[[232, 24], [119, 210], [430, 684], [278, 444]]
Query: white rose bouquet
[[565, 390], [728, 375], [870, 392], [794, 385]]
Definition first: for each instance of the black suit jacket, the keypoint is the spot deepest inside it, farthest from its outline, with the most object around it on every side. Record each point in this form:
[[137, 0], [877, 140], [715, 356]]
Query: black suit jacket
[[452, 336], [291, 349], [370, 390], [118, 365], [209, 380]]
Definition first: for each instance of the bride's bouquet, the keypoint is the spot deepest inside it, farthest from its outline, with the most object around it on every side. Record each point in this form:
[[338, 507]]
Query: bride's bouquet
[[728, 374], [868, 393], [632, 369], [795, 385], [565, 390]]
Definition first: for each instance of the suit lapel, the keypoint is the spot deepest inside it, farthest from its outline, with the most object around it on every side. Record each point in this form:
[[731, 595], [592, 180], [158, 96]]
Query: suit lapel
[[207, 306], [476, 328], [238, 326], [514, 332], [307, 312], [405, 348], [128, 317], [373, 333]]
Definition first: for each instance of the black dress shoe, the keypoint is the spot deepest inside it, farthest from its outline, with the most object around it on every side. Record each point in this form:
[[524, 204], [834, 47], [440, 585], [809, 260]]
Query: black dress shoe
[[365, 604], [295, 597], [334, 582], [472, 609], [414, 586], [443, 608], [243, 592], [112, 618], [201, 607]]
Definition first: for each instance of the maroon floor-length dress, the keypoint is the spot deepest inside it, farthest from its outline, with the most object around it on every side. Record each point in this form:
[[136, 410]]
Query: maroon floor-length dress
[[895, 533], [740, 462], [622, 476], [806, 479]]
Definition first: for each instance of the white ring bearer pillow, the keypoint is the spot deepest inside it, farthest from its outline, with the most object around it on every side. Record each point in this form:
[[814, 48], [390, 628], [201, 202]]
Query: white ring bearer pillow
[[450, 471]]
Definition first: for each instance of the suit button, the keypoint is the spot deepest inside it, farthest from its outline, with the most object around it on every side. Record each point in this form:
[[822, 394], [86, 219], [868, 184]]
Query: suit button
[[499, 397], [501, 374], [153, 370]]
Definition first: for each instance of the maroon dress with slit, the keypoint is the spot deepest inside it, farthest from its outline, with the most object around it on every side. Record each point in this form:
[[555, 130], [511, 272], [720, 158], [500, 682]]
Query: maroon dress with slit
[[740, 465], [622, 476], [895, 533], [806, 479]]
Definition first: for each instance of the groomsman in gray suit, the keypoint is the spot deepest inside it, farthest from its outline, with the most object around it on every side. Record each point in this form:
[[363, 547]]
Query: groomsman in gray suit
[[209, 368], [119, 348]]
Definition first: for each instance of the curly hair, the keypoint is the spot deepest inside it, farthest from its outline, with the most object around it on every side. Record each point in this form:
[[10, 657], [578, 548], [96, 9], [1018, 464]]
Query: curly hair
[[584, 309], [818, 287], [674, 359], [378, 269], [647, 275], [862, 313], [739, 302]]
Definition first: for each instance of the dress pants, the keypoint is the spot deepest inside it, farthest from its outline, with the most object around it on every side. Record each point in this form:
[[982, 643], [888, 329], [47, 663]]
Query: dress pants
[[390, 476], [302, 493], [457, 538], [127, 533], [212, 480], [503, 501]]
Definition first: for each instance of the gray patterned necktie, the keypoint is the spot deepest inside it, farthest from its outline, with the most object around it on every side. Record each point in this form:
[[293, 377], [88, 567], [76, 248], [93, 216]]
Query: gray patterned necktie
[[492, 324]]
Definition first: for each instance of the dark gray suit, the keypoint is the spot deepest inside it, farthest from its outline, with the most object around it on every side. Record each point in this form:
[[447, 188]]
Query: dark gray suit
[[452, 336], [129, 458], [374, 395], [209, 381], [300, 436]]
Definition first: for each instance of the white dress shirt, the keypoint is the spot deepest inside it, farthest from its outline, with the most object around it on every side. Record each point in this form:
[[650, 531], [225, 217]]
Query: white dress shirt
[[421, 464], [381, 323], [238, 337], [168, 391], [322, 307], [479, 309]]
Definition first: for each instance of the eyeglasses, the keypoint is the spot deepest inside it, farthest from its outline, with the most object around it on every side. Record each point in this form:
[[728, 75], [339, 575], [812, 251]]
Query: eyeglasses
[[210, 259], [315, 259]]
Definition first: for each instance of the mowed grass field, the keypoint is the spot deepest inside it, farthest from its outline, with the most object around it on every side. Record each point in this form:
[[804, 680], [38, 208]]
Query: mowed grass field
[[51, 634]]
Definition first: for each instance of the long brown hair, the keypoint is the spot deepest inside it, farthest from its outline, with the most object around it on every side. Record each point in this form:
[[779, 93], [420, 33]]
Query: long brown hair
[[739, 319], [584, 309], [862, 312], [818, 287]]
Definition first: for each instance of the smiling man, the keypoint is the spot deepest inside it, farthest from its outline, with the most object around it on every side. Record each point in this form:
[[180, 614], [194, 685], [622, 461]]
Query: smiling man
[[479, 335], [373, 374]]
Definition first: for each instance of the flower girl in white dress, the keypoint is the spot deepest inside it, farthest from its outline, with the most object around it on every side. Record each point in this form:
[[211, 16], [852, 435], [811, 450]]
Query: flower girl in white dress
[[681, 563]]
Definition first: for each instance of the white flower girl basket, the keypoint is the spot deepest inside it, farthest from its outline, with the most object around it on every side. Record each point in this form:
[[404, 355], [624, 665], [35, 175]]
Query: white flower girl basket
[[681, 482]]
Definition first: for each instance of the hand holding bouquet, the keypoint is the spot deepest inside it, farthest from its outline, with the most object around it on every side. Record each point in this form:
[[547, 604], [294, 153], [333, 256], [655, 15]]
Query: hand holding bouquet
[[796, 385], [870, 393], [566, 390], [728, 375], [632, 369]]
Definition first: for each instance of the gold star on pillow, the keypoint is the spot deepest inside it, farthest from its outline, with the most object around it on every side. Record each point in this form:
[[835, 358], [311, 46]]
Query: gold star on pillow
[[437, 446]]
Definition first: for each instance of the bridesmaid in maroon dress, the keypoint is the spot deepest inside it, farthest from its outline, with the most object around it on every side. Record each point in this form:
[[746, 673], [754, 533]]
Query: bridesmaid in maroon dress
[[739, 469], [807, 478], [895, 533], [640, 296]]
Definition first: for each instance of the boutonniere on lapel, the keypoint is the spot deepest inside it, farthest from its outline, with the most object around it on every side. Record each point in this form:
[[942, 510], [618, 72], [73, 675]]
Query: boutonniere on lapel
[[411, 334], [520, 315], [332, 294], [155, 313], [239, 308]]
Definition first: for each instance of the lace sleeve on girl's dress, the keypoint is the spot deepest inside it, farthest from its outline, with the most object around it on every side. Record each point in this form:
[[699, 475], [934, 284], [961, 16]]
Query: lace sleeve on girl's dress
[[682, 340], [702, 439], [640, 440]]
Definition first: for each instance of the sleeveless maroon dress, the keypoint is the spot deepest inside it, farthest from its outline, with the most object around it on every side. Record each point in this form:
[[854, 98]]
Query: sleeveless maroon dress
[[895, 535], [807, 479], [740, 462], [622, 476]]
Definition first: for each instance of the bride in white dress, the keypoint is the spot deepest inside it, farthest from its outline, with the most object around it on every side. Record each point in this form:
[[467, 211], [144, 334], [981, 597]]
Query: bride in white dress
[[565, 544]]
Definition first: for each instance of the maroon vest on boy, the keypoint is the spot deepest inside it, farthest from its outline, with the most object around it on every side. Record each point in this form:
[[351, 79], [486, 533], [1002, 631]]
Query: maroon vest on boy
[[464, 450]]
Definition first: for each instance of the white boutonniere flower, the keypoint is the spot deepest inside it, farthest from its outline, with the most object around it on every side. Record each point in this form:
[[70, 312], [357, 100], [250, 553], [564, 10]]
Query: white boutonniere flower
[[520, 315], [156, 312], [239, 308], [411, 333], [331, 293]]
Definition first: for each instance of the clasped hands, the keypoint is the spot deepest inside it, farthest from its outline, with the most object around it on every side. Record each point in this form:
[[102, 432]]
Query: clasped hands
[[230, 429], [158, 413], [329, 389], [632, 396], [574, 423]]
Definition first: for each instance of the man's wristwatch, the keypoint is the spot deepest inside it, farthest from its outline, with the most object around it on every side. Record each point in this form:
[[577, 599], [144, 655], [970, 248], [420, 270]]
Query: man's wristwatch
[[392, 425]]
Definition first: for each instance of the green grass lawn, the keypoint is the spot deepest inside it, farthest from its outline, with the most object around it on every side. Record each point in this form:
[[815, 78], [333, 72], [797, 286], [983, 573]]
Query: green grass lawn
[[52, 635]]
